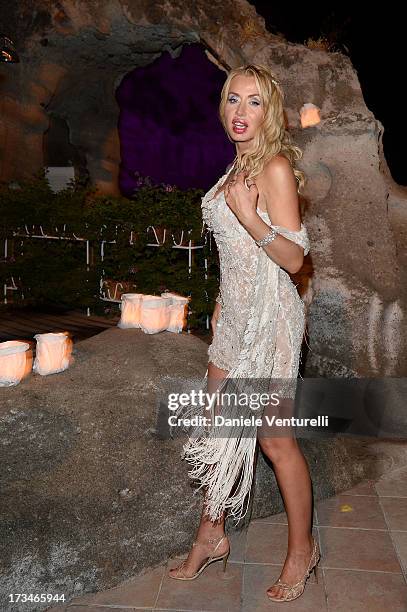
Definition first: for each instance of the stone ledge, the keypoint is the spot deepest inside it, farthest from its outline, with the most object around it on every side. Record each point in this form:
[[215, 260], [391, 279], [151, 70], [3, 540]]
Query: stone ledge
[[91, 497]]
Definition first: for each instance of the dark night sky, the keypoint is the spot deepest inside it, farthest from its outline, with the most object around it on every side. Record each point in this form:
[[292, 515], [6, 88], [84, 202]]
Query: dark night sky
[[374, 41]]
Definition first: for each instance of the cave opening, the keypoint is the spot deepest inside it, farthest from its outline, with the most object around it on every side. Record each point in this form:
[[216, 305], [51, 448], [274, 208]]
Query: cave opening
[[168, 125], [59, 152]]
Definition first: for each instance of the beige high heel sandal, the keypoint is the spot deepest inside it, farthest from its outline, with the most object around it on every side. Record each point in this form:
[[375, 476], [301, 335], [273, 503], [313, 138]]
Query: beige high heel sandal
[[295, 590], [211, 559]]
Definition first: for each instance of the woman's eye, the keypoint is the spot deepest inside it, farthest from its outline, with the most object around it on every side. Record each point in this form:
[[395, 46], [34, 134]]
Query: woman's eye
[[233, 99]]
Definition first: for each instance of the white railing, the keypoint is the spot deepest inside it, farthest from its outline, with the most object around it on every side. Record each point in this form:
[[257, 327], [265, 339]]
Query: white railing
[[180, 240]]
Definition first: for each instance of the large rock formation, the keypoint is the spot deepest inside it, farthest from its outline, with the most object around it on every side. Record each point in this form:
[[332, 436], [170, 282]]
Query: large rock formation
[[91, 495]]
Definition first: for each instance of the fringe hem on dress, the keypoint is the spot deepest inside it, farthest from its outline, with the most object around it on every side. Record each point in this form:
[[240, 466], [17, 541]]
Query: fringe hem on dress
[[222, 458]]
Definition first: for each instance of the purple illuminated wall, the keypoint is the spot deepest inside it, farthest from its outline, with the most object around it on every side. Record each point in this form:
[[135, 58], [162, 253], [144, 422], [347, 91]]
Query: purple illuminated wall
[[169, 127]]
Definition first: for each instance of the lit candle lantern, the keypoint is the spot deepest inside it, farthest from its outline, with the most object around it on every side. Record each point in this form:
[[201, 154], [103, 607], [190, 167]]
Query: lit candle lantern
[[15, 362], [130, 310], [53, 353], [178, 311], [155, 314], [310, 115]]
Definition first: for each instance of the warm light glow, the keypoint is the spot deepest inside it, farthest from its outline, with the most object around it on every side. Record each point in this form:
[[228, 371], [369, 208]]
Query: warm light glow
[[310, 115], [15, 362], [53, 353], [155, 314], [59, 177], [178, 311], [130, 310]]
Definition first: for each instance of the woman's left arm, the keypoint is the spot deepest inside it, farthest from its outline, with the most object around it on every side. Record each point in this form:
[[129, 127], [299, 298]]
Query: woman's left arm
[[278, 186]]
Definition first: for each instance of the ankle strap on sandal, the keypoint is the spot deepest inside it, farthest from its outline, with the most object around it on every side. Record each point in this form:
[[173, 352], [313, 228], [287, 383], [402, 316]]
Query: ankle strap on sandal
[[216, 541]]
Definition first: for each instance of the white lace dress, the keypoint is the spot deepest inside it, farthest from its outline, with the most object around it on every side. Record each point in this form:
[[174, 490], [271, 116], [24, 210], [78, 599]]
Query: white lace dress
[[238, 254], [262, 325]]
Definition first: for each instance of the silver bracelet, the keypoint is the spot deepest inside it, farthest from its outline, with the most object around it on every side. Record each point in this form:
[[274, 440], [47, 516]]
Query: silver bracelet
[[267, 238]]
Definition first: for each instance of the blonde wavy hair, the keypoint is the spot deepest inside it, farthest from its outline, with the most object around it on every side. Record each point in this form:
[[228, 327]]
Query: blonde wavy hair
[[272, 138]]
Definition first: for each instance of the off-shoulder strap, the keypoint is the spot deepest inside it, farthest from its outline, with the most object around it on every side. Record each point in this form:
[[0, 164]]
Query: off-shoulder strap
[[299, 237]]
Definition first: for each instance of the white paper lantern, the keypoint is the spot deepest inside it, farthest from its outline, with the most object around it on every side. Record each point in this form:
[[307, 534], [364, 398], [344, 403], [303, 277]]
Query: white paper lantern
[[15, 362], [53, 353], [178, 311], [130, 310], [155, 314]]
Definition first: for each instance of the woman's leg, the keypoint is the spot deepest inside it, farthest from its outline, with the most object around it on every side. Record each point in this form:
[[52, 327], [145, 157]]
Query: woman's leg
[[294, 481], [207, 530], [289, 463]]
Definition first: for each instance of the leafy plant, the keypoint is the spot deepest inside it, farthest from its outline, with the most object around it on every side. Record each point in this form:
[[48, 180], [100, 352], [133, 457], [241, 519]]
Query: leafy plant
[[321, 43], [55, 271]]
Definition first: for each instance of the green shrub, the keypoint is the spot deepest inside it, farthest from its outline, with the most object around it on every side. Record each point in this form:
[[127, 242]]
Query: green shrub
[[55, 271]]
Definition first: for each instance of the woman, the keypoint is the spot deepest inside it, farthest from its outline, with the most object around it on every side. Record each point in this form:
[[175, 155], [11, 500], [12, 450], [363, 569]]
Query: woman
[[258, 323]]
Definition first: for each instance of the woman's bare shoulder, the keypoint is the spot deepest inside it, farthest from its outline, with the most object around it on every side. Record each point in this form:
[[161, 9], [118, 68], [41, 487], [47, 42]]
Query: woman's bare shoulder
[[276, 163], [276, 168]]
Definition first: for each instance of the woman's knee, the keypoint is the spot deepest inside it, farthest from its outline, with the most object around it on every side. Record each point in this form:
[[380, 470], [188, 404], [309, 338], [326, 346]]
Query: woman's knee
[[277, 449], [215, 377]]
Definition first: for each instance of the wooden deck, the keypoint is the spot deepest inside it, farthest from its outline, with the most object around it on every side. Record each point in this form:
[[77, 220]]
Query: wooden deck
[[24, 324]]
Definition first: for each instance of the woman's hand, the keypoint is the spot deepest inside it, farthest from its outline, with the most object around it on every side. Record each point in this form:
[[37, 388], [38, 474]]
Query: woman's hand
[[215, 317], [242, 199]]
